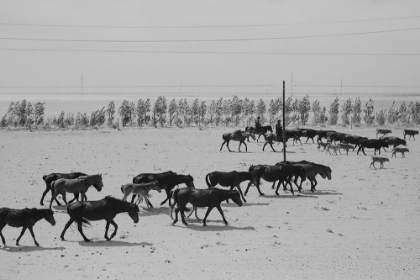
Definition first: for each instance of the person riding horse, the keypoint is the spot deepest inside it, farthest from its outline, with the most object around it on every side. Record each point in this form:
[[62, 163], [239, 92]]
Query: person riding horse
[[279, 128], [257, 124]]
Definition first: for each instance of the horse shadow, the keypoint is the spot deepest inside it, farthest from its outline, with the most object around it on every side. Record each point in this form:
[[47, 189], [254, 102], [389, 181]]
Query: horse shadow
[[113, 243], [25, 249], [197, 226], [154, 211], [60, 209], [297, 196], [326, 192], [245, 204]]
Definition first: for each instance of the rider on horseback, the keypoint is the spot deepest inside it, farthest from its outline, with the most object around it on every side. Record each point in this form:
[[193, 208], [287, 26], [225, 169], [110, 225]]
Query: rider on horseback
[[279, 128], [257, 124]]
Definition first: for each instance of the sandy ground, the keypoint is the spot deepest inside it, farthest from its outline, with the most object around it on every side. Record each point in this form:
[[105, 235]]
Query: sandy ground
[[362, 224]]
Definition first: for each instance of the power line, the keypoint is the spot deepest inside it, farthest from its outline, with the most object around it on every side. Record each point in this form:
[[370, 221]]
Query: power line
[[210, 52], [359, 86], [205, 26], [134, 86], [208, 40]]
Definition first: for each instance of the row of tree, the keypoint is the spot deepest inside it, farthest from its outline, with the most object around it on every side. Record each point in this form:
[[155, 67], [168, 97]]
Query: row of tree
[[221, 112]]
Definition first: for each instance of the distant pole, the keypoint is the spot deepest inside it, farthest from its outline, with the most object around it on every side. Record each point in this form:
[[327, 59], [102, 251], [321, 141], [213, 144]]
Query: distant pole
[[284, 121]]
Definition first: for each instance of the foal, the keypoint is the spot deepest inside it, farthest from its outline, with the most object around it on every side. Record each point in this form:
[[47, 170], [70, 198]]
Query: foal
[[142, 190], [25, 218]]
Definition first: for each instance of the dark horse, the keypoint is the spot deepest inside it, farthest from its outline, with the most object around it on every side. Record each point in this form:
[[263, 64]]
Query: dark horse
[[54, 176], [167, 181], [259, 130], [78, 185], [237, 136], [230, 179], [104, 209], [25, 218], [203, 198]]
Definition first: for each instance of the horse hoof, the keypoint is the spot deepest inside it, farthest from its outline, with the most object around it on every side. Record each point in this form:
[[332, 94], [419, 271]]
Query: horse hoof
[[88, 240], [37, 245], [204, 225]]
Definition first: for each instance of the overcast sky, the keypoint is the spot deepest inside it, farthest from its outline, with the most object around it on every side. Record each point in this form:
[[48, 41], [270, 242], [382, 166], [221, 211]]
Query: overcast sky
[[293, 18]]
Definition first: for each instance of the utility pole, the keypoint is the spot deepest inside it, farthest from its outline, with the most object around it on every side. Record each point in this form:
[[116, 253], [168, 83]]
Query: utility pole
[[284, 121], [81, 81]]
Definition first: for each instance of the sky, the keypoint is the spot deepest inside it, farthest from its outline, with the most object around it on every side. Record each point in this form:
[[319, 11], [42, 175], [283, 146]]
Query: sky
[[293, 28]]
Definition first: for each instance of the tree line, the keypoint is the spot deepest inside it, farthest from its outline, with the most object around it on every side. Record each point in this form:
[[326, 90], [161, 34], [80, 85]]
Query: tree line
[[221, 112]]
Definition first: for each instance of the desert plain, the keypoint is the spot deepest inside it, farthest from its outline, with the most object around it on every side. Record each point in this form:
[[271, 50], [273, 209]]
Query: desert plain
[[361, 224]]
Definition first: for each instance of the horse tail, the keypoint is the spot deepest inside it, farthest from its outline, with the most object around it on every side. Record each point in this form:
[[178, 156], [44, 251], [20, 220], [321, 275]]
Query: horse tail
[[208, 180], [122, 186]]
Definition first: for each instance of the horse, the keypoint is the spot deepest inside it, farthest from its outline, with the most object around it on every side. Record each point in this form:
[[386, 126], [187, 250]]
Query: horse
[[174, 204], [273, 173], [25, 218], [410, 133], [230, 179], [78, 185], [105, 209], [312, 170], [167, 181], [237, 136], [259, 130], [142, 190], [203, 198], [54, 176]]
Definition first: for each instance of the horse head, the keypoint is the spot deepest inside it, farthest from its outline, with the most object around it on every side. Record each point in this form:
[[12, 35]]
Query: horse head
[[254, 179], [49, 216], [190, 182], [155, 186], [133, 212], [98, 184], [252, 134], [237, 198]]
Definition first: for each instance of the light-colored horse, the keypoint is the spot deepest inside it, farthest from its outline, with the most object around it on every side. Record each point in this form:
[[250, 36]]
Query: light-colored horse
[[78, 185], [142, 190]]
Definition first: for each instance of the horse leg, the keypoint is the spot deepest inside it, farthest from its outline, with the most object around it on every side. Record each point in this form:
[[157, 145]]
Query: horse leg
[[258, 188], [33, 236], [247, 188], [66, 227], [227, 145], [20, 236], [79, 227], [240, 192], [239, 147], [183, 217], [63, 195], [43, 195], [132, 198], [168, 197], [52, 199], [246, 147], [222, 145], [106, 231], [264, 146], [52, 194], [1, 234], [176, 216], [76, 197], [149, 204], [272, 147], [258, 137], [207, 213], [221, 213], [315, 183], [115, 229]]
